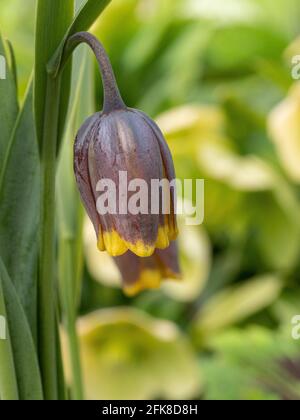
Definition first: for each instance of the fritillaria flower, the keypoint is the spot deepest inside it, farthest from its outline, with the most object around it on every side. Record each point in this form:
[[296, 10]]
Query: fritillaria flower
[[147, 273], [120, 140]]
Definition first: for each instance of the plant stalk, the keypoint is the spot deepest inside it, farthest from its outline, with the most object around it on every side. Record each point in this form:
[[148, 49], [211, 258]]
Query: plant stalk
[[67, 283], [47, 327]]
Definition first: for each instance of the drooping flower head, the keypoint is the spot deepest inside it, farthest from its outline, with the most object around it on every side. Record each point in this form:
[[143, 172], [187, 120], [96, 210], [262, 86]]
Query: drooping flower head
[[120, 143]]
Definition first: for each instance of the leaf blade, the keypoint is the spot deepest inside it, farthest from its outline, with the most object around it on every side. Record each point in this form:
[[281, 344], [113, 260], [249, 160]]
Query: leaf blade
[[8, 102], [19, 210], [53, 18], [83, 20], [8, 379], [24, 353], [236, 303]]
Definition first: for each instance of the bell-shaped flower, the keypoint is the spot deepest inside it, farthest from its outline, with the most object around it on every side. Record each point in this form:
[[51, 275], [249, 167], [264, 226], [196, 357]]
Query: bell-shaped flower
[[125, 173]]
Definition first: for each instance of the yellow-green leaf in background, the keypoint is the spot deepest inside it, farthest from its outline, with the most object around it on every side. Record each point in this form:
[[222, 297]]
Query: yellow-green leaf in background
[[248, 173], [195, 262], [277, 231], [284, 128], [126, 354], [192, 124], [235, 304], [253, 363]]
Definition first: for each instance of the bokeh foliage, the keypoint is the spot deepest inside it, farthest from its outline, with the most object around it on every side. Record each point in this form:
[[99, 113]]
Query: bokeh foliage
[[217, 77]]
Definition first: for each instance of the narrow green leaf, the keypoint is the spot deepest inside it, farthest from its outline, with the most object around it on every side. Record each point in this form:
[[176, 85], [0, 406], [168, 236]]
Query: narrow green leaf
[[19, 210], [52, 21], [87, 14], [8, 102], [13, 63], [83, 20], [8, 379], [24, 353], [61, 385]]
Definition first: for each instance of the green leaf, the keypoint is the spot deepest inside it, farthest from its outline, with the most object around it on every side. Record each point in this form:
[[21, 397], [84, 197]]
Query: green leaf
[[53, 19], [83, 20], [276, 218], [19, 210], [236, 304], [284, 128], [143, 350], [226, 55], [230, 382], [8, 103], [13, 63], [61, 385], [24, 353], [87, 14], [252, 363], [8, 379]]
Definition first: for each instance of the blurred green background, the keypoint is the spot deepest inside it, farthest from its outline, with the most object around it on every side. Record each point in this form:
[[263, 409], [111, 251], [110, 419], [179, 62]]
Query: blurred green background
[[217, 78]]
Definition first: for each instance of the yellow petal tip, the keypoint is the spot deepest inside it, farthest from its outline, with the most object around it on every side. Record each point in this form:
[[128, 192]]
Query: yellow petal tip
[[114, 244], [149, 279]]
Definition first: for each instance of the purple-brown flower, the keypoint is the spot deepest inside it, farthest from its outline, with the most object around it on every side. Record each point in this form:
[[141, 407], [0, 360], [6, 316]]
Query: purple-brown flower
[[147, 273], [120, 140]]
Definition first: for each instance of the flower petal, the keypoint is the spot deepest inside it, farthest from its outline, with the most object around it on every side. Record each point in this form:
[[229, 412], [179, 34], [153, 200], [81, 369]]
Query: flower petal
[[81, 168], [147, 273], [169, 171], [126, 145]]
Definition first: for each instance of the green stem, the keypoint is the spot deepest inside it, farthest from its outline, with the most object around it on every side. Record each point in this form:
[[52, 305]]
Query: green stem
[[8, 379], [67, 277], [77, 388], [61, 384], [47, 327]]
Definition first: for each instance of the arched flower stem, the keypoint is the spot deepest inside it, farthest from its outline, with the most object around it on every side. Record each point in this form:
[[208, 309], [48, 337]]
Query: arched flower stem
[[112, 96]]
